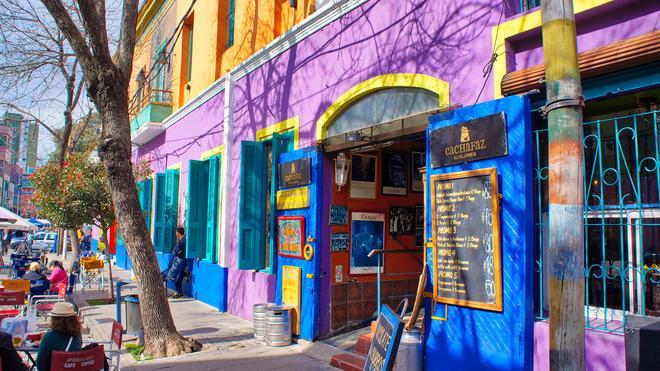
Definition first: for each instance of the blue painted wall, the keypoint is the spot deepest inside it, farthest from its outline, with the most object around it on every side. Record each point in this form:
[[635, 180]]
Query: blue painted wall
[[310, 277], [208, 281], [472, 339]]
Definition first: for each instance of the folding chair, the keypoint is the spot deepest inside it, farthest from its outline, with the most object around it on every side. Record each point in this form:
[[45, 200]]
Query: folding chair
[[91, 272], [82, 360], [16, 285], [114, 344], [15, 300], [4, 269], [44, 303]]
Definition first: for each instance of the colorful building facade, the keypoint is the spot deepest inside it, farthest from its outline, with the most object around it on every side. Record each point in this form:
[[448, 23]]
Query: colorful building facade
[[371, 82]]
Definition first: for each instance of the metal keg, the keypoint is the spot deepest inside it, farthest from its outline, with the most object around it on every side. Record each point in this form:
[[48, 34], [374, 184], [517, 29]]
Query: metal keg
[[259, 321], [278, 325], [409, 356]]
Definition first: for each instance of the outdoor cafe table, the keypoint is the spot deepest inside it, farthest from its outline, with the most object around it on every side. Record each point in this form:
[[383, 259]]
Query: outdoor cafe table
[[28, 350]]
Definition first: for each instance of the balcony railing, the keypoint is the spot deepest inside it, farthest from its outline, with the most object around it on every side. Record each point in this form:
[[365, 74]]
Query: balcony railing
[[147, 97], [525, 5]]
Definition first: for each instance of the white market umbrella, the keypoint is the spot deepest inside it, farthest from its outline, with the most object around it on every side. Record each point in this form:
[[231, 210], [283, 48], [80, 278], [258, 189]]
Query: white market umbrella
[[18, 223]]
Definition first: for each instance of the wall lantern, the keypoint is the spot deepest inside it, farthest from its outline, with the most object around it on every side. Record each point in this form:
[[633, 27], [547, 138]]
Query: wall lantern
[[140, 77], [162, 58], [341, 170]]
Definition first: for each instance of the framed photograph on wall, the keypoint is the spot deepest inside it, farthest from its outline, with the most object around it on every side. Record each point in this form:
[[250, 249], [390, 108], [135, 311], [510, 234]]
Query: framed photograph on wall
[[419, 216], [402, 220], [419, 237], [291, 236], [338, 215], [394, 174], [363, 177], [417, 160], [367, 233]]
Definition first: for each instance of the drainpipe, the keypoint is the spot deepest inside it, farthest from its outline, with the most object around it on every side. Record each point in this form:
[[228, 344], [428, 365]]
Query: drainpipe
[[225, 229], [566, 233]]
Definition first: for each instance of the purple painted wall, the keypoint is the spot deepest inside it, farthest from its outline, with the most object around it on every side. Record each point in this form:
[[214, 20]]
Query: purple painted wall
[[624, 19], [604, 351], [447, 39]]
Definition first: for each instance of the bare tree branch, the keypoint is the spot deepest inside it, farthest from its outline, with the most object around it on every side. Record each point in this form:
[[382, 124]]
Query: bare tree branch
[[127, 38]]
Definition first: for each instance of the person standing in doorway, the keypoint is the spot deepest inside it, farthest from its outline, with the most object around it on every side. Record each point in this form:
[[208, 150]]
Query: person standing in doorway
[[176, 269]]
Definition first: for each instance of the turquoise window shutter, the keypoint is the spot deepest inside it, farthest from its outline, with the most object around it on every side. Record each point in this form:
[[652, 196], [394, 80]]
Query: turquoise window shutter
[[170, 209], [144, 194], [286, 141], [251, 206], [198, 179], [212, 219], [159, 213]]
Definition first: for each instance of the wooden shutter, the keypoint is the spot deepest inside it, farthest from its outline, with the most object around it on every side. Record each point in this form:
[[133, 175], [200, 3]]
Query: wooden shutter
[[159, 213], [251, 206], [144, 193], [171, 209], [198, 181], [212, 218], [230, 22], [286, 141]]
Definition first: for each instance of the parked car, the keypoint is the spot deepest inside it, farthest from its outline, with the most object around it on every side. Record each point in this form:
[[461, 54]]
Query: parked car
[[43, 241]]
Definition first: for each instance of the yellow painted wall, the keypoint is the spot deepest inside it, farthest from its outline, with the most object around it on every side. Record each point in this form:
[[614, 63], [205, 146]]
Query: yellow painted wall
[[257, 22]]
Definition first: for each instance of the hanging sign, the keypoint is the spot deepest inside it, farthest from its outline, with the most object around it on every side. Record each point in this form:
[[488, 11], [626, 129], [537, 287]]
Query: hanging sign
[[474, 140], [295, 173], [466, 234], [291, 277], [385, 342], [291, 232]]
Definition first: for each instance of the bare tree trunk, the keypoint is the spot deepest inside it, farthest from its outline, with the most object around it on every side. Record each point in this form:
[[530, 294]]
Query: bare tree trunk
[[75, 244], [161, 337], [107, 84]]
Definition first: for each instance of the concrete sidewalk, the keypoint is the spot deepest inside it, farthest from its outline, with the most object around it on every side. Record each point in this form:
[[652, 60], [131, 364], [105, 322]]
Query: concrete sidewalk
[[227, 340]]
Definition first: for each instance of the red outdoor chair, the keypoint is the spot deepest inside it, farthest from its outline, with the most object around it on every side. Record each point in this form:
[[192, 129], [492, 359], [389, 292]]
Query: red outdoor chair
[[82, 360], [13, 299]]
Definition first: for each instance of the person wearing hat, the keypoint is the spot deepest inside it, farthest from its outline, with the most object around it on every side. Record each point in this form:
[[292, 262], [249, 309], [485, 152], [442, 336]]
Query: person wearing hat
[[65, 334]]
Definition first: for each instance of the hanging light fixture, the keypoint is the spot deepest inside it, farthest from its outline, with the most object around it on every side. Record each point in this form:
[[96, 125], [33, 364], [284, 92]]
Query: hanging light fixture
[[341, 170], [140, 77], [162, 58]]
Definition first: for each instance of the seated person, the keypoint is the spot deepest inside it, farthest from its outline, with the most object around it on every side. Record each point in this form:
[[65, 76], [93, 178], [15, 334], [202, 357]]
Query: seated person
[[65, 334], [39, 284], [57, 276], [10, 358]]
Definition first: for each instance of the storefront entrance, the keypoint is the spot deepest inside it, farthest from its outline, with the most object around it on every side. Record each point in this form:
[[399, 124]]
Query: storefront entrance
[[376, 223]]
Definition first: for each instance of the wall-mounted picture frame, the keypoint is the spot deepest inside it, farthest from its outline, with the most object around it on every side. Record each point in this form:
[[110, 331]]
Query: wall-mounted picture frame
[[394, 174], [367, 233], [419, 238], [419, 216], [417, 160], [291, 236], [363, 176], [338, 215], [402, 220], [338, 242]]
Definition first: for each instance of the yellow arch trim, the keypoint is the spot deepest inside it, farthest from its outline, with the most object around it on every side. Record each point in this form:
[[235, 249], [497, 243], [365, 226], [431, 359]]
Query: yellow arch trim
[[397, 80], [212, 152], [281, 127], [523, 24], [176, 166]]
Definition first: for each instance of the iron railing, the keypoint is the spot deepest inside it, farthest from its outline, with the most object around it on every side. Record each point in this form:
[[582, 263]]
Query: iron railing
[[526, 5], [147, 96], [621, 219]]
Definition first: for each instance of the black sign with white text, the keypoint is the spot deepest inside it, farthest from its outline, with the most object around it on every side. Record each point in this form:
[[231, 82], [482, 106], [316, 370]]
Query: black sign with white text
[[473, 140]]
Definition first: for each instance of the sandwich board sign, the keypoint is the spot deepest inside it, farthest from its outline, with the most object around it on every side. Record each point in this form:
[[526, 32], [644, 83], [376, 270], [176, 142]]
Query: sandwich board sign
[[385, 342]]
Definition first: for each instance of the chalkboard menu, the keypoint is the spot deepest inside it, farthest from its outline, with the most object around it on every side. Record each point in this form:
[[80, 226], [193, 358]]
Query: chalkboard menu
[[466, 235], [385, 341]]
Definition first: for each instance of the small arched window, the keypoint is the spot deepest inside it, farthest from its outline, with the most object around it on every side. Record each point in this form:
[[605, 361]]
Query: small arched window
[[383, 106]]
